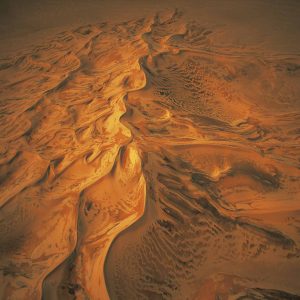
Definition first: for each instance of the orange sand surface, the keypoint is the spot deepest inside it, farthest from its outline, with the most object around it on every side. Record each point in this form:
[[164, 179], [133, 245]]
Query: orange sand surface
[[152, 154]]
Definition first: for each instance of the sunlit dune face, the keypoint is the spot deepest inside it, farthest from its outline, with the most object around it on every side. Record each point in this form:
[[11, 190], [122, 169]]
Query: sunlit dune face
[[145, 160]]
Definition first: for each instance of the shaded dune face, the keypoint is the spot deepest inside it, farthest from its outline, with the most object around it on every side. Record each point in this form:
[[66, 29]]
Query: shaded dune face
[[142, 160]]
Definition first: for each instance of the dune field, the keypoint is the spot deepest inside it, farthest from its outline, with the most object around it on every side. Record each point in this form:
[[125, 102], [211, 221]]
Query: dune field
[[153, 155]]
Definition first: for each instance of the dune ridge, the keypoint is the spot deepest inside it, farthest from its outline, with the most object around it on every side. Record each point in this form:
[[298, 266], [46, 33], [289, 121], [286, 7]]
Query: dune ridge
[[72, 157], [143, 160]]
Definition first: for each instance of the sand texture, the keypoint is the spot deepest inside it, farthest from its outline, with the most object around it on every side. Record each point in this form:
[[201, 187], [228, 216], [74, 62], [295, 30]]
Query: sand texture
[[149, 159]]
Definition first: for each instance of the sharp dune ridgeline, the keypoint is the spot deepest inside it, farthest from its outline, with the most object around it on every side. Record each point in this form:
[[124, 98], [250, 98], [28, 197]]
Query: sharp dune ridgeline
[[156, 157]]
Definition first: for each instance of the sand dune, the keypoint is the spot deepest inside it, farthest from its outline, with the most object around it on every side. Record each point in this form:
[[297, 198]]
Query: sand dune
[[147, 159]]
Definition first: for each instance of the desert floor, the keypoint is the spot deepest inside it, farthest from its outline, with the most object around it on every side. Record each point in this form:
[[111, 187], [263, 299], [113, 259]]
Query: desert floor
[[150, 150]]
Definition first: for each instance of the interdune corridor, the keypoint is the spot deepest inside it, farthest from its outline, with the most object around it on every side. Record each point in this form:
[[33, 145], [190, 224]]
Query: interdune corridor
[[150, 159]]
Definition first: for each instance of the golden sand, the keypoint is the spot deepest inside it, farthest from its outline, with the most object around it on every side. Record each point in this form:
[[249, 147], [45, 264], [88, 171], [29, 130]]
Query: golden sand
[[148, 160]]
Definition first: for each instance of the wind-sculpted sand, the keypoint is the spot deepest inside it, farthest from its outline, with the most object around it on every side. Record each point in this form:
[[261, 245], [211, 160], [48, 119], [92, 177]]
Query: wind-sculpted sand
[[147, 160]]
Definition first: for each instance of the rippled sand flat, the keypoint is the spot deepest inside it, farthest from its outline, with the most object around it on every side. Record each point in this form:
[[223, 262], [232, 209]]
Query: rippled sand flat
[[153, 158]]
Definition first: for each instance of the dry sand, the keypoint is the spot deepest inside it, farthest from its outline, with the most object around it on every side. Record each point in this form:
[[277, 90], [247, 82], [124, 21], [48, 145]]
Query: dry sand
[[150, 153]]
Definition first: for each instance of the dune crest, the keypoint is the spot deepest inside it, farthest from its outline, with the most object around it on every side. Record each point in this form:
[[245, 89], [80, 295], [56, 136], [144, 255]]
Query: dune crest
[[143, 160]]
